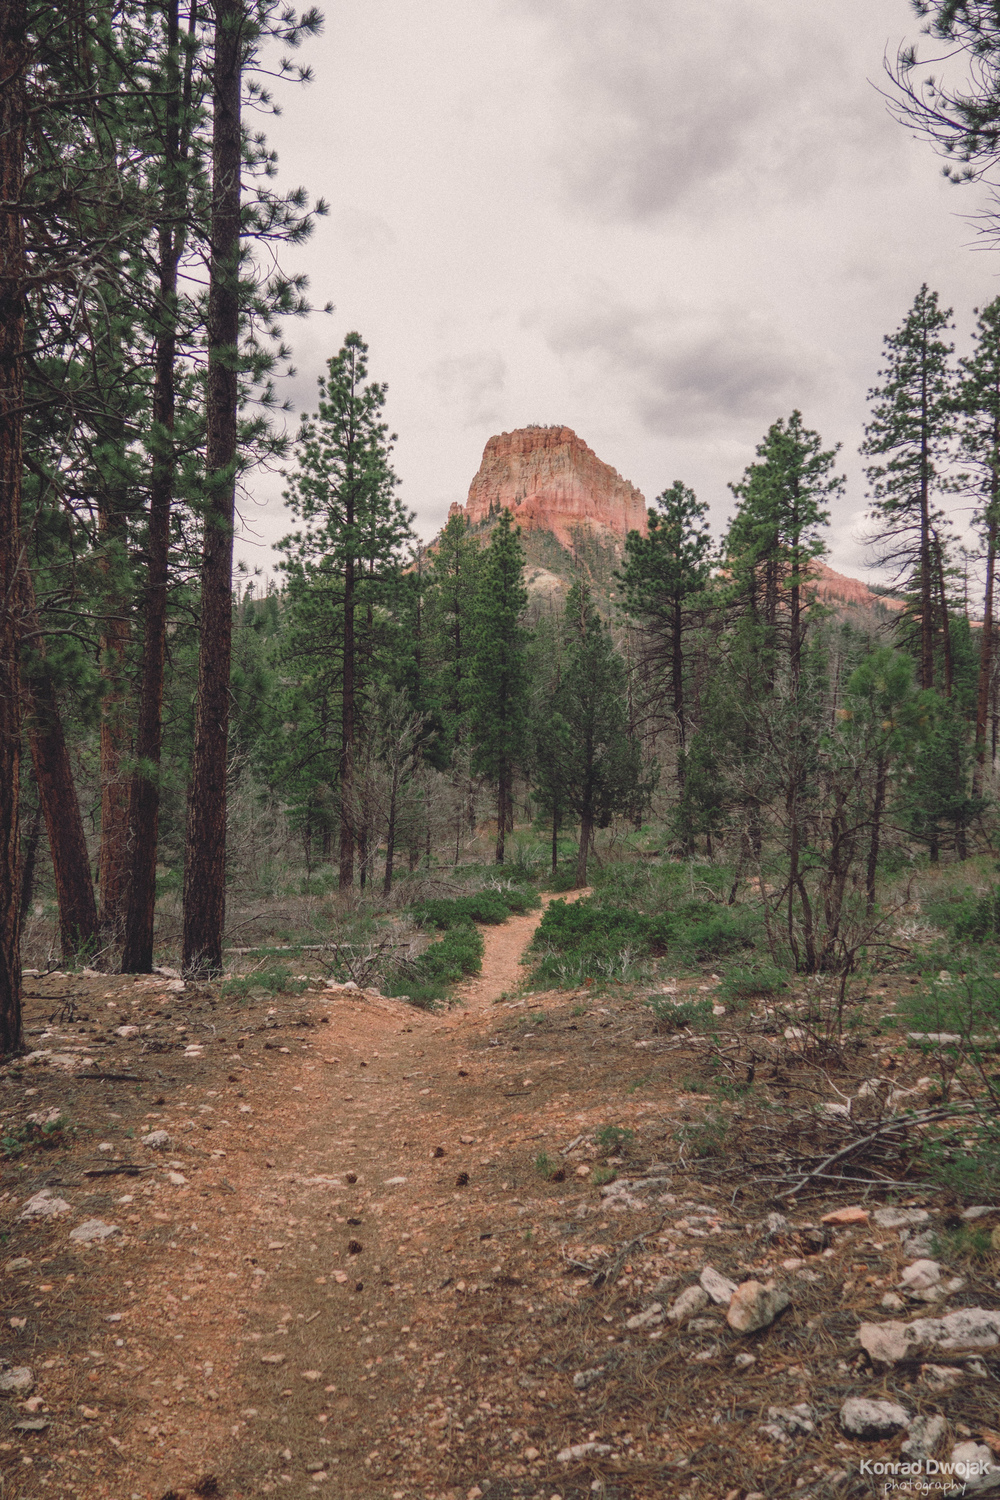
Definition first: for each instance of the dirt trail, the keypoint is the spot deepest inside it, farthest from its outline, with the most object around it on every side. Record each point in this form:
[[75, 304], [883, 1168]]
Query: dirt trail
[[502, 971]]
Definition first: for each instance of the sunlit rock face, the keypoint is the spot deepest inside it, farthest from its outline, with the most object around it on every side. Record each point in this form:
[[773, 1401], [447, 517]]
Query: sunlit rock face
[[551, 481]]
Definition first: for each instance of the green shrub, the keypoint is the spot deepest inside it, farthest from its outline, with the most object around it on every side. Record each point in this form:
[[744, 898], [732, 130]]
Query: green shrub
[[670, 1015], [428, 978], [704, 1138], [965, 1156], [755, 982], [275, 980], [704, 930], [491, 905], [613, 1139], [46, 1134], [587, 939]]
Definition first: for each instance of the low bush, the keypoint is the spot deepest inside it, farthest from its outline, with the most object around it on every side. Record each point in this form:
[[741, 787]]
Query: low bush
[[275, 980], [757, 982], [588, 939], [670, 1015], [491, 905], [427, 979]]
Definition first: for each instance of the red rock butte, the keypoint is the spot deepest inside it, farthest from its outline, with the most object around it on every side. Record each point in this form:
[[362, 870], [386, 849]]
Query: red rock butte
[[551, 481]]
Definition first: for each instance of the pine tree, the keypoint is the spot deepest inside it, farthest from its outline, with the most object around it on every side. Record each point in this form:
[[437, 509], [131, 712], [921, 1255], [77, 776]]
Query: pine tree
[[978, 402], [665, 575], [449, 595], [912, 422], [777, 530], [498, 680], [600, 770], [343, 566]]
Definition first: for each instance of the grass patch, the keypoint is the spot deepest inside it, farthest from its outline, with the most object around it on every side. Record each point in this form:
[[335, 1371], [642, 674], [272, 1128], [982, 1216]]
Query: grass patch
[[276, 980], [46, 1134], [428, 979], [756, 982], [670, 1015]]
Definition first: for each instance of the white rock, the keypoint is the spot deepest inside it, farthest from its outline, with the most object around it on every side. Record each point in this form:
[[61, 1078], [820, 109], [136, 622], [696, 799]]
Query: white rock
[[776, 1224], [44, 1206], [892, 1303], [923, 1436], [690, 1302], [898, 1218], [974, 1471], [394, 1181], [718, 1287], [16, 1382], [157, 1140], [755, 1306], [91, 1230], [962, 1332], [584, 1379], [921, 1275], [796, 1421], [175, 986], [167, 973], [583, 1450], [744, 1361], [126, 1031], [648, 1318], [919, 1246], [176, 1179], [978, 1211], [864, 1418], [940, 1377]]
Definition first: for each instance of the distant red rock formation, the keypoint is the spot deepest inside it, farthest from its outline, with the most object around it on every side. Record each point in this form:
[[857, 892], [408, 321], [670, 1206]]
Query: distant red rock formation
[[837, 587], [551, 481]]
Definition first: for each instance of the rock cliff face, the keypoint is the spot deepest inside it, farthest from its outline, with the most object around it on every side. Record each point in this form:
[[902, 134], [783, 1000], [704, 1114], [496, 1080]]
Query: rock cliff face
[[551, 481], [837, 588]]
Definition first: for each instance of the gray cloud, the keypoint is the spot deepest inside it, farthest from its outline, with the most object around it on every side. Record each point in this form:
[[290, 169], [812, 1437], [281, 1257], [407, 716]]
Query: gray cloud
[[667, 104], [684, 374], [472, 383]]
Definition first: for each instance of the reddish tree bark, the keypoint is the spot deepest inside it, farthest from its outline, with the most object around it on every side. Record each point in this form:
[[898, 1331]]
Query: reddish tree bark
[[205, 851], [78, 922], [13, 113]]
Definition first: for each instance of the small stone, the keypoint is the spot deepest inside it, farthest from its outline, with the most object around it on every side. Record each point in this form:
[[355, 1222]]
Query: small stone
[[744, 1361], [923, 1436], [940, 1377], [718, 1287], [864, 1418], [176, 1179], [32, 1424], [966, 1331], [755, 1306], [312, 1374], [792, 1421], [690, 1302], [394, 1181], [646, 1319], [16, 1382], [921, 1275], [105, 1146], [919, 1246], [126, 1031], [852, 1215], [900, 1218], [157, 1140], [272, 1359], [583, 1450], [892, 1303], [19, 1263], [175, 986], [531, 1454], [775, 1225], [89, 1413], [584, 1379], [974, 1471], [93, 1230], [44, 1206], [978, 1211]]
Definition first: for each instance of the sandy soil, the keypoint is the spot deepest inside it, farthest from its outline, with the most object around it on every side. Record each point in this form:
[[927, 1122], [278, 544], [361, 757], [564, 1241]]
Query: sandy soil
[[373, 1258]]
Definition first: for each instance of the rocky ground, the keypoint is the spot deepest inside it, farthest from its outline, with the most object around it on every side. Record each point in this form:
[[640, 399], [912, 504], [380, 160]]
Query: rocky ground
[[526, 1247]]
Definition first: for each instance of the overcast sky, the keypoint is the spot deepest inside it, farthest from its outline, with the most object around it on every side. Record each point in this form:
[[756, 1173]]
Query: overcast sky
[[660, 224]]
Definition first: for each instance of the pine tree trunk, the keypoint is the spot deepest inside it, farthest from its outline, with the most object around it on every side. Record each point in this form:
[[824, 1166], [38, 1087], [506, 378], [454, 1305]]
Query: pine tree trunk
[[945, 629], [29, 862], [876, 836], [13, 116], [503, 792], [205, 852], [926, 580], [347, 812], [115, 745], [144, 793], [986, 646], [390, 837], [78, 918], [586, 834]]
